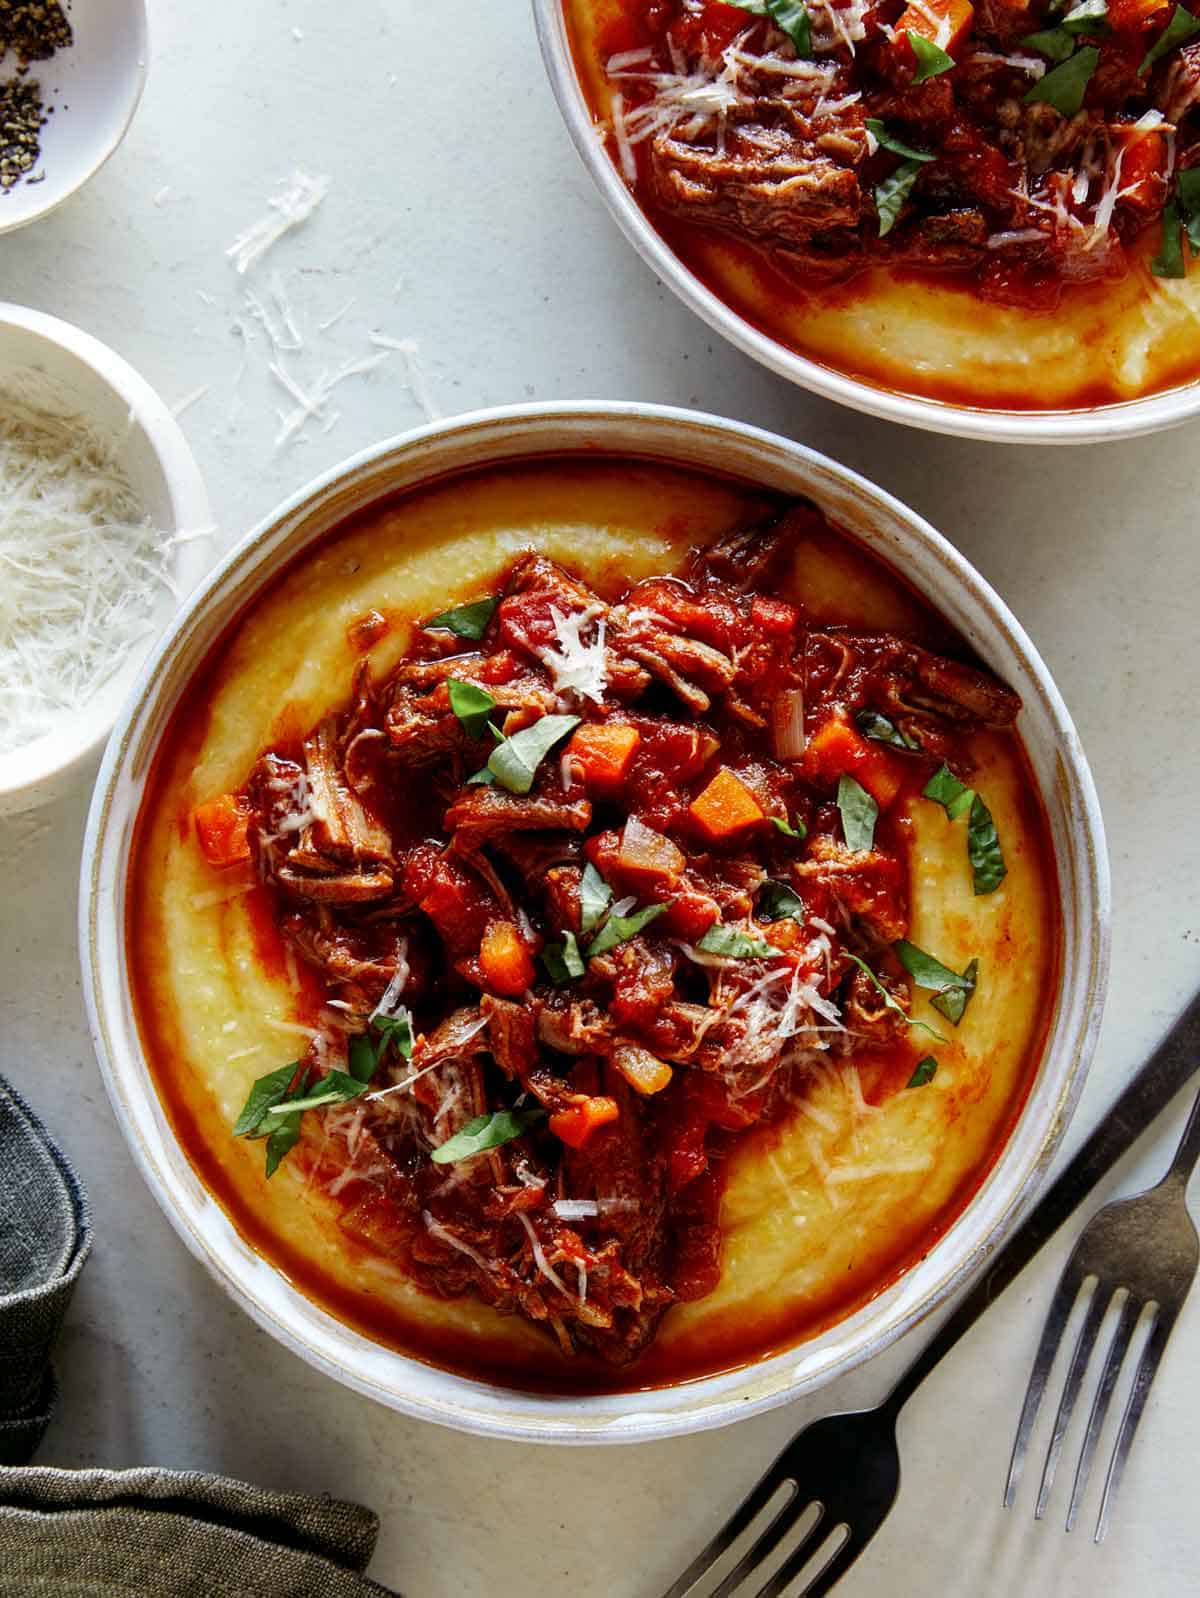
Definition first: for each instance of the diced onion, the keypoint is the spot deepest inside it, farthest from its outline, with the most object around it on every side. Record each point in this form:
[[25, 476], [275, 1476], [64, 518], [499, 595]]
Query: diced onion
[[648, 852], [645, 1072], [787, 724]]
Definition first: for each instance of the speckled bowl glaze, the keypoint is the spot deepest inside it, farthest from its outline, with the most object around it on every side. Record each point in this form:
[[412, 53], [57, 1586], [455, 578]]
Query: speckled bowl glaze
[[898, 536]]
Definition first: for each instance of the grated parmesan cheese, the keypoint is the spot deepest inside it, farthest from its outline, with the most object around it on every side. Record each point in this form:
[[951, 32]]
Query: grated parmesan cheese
[[82, 571], [576, 667], [298, 200]]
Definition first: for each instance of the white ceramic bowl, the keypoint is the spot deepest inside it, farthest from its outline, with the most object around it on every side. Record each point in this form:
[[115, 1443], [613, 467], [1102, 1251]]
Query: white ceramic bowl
[[1085, 425], [93, 89], [888, 528], [78, 375]]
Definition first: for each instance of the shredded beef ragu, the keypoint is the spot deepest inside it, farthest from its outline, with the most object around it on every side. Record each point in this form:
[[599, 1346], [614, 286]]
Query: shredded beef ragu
[[394, 877]]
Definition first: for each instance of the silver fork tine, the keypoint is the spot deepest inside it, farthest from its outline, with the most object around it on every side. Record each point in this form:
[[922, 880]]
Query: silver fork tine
[[760, 1548], [755, 1501], [837, 1567], [1147, 1366], [1118, 1347], [793, 1565], [1084, 1345], [1065, 1295]]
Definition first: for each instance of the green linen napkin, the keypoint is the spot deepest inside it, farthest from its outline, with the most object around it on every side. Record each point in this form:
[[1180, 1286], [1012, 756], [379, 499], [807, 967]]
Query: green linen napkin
[[141, 1533]]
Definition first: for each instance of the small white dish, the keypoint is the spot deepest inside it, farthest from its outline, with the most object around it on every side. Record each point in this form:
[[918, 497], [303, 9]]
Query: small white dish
[[80, 376], [92, 90], [891, 531]]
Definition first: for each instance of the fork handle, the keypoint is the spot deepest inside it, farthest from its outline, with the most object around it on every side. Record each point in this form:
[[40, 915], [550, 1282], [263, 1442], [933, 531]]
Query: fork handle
[[1173, 1062], [1188, 1151]]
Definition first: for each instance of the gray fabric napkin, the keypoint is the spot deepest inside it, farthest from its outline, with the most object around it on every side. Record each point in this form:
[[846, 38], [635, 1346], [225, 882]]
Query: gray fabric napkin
[[149, 1533]]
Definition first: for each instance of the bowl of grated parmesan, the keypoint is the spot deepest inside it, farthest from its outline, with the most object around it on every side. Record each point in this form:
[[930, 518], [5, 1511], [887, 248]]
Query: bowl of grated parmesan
[[104, 527]]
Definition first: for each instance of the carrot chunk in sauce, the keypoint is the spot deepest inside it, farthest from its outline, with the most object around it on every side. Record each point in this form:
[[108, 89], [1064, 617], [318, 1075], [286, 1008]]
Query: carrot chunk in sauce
[[504, 961], [222, 828], [725, 808]]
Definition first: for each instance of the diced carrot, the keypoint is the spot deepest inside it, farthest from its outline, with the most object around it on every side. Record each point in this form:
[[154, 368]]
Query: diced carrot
[[645, 1072], [602, 751], [772, 615], [222, 827], [1143, 165], [504, 961], [943, 22], [725, 808], [576, 1125], [837, 749]]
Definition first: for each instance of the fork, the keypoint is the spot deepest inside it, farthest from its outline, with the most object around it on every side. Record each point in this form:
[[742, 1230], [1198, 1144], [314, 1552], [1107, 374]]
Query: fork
[[1139, 1254], [847, 1466]]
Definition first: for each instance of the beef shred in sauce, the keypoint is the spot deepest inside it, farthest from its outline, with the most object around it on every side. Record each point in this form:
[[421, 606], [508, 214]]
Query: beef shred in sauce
[[1020, 144], [619, 972]]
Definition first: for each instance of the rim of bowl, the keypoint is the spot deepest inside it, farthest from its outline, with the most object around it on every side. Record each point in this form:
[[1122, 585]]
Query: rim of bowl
[[1151, 413], [106, 151], [674, 436], [24, 770]]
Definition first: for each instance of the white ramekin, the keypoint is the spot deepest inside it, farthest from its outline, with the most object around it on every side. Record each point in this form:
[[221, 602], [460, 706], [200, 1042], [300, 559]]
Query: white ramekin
[[86, 378], [1085, 425], [893, 532]]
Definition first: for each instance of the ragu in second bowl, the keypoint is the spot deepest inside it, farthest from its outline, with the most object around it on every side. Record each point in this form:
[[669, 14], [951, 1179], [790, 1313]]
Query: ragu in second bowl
[[979, 204], [592, 924]]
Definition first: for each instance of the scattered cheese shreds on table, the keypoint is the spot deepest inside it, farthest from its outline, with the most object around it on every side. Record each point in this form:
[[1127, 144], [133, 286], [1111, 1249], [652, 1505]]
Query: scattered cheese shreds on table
[[296, 202], [81, 570]]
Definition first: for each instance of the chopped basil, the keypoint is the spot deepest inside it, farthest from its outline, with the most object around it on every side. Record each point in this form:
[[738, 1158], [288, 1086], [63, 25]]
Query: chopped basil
[[790, 829], [735, 945], [983, 849], [790, 15], [280, 1144], [891, 194], [946, 790], [1064, 87], [931, 58], [1187, 186], [859, 813], [472, 705], [514, 760], [1180, 28], [925, 1072], [890, 141], [335, 1087], [874, 724], [266, 1093], [619, 929], [368, 1048], [468, 621], [595, 896], [1169, 261], [1056, 43], [563, 960], [486, 1132], [890, 1001], [777, 902], [952, 990]]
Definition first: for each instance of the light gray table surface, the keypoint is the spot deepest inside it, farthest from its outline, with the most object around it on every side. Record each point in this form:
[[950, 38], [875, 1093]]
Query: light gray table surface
[[460, 216]]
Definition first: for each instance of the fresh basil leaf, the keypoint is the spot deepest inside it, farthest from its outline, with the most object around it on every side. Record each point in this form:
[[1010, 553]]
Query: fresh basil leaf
[[891, 194], [777, 902], [471, 704], [563, 960], [383, 1032], [468, 621], [280, 1144], [1065, 86], [1187, 186], [1056, 43], [1180, 28], [1169, 261], [929, 972], [931, 58], [892, 142], [335, 1087], [266, 1093], [891, 1002], [789, 15], [799, 830], [874, 724], [515, 760], [486, 1132], [983, 849], [953, 1001], [925, 1072], [1089, 16], [735, 944], [945, 789], [484, 776], [859, 813], [395, 1030], [595, 896], [363, 1051], [619, 929]]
